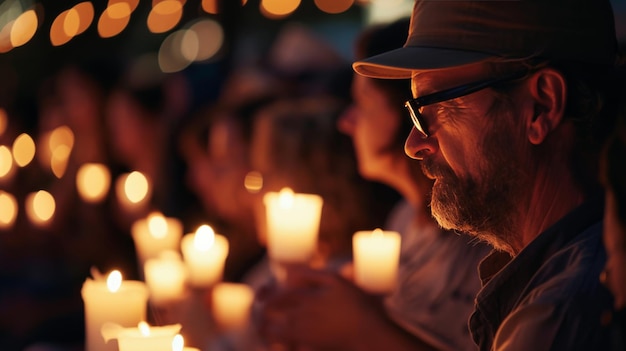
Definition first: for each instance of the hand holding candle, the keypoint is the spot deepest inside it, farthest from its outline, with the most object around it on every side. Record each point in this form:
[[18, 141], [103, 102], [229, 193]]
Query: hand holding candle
[[205, 254], [292, 225], [376, 258]]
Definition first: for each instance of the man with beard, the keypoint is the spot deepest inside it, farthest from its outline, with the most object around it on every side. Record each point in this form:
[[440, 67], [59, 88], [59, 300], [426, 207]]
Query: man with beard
[[513, 100]]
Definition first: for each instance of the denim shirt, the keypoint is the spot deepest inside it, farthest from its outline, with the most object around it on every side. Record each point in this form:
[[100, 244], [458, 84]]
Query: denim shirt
[[549, 297]]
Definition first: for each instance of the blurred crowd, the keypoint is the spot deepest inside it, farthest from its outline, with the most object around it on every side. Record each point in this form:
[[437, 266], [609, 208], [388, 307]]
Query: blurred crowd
[[274, 120], [297, 118]]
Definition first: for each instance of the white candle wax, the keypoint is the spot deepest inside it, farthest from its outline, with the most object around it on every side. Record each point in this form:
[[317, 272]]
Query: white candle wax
[[231, 305], [165, 277], [178, 344], [144, 338], [205, 254], [155, 234], [376, 259], [125, 306], [292, 225]]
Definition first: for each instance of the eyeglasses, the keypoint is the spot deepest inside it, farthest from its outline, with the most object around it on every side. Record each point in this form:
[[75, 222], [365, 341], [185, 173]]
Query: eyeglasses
[[414, 105]]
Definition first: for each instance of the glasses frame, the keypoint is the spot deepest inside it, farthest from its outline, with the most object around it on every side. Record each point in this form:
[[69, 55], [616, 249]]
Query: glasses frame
[[414, 105]]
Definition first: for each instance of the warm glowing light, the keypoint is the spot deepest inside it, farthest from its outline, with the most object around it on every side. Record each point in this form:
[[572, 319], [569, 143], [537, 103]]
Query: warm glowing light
[[62, 135], [5, 37], [40, 207], [136, 187], [85, 14], [178, 343], [253, 182], [71, 22], [285, 198], [204, 238], [6, 161], [114, 281], [334, 6], [132, 4], [170, 56], [157, 225], [190, 45], [114, 19], [164, 16], [8, 204], [58, 33], [4, 120], [278, 8], [59, 159], [93, 181], [144, 328], [210, 38], [23, 149], [24, 28], [210, 6]]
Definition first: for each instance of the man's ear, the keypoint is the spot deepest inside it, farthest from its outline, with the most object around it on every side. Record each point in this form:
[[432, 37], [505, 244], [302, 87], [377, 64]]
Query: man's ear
[[548, 89]]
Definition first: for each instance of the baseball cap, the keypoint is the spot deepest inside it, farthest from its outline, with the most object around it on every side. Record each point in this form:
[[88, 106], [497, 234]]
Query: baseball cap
[[444, 34]]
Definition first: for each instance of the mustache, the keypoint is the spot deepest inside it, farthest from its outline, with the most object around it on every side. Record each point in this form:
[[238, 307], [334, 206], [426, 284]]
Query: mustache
[[433, 170]]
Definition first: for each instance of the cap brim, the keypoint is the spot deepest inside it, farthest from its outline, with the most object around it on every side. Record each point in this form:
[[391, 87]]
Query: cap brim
[[400, 63]]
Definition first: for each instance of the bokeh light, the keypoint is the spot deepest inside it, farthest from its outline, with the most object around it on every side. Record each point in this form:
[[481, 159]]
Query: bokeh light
[[210, 37], [40, 207], [275, 9], [164, 16], [4, 120], [24, 28], [334, 6], [6, 161], [93, 181], [114, 19], [23, 150], [171, 58], [8, 204]]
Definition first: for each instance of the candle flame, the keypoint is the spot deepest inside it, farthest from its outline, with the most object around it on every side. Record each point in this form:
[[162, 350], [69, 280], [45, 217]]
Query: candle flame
[[178, 343], [378, 233], [136, 187], [204, 238], [144, 328], [114, 281], [285, 198], [157, 225]]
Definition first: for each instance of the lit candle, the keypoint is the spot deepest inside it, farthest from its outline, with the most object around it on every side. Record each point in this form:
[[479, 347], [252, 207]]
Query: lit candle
[[292, 225], [93, 181], [165, 277], [205, 253], [178, 344], [144, 337], [115, 301], [155, 234], [376, 259], [133, 191], [231, 305], [40, 207]]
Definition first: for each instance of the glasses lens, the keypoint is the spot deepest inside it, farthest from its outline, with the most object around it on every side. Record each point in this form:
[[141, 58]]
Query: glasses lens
[[417, 119]]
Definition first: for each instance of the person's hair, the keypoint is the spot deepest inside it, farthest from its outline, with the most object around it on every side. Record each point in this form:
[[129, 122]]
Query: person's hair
[[593, 99], [305, 151], [378, 39]]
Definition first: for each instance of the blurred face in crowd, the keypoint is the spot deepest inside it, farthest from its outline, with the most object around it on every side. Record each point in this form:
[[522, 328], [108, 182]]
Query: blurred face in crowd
[[372, 123], [478, 182], [614, 276]]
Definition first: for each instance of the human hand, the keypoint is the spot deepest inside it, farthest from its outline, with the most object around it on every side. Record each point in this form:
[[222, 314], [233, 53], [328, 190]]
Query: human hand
[[319, 309]]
